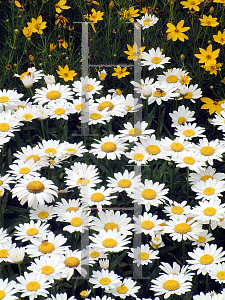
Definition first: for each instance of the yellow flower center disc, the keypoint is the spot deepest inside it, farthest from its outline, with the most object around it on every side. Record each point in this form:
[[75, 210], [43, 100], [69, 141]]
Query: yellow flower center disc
[[111, 226], [152, 149], [189, 160], [43, 214], [105, 280], [143, 255], [87, 87], [108, 147], [138, 156], [177, 210], [4, 99], [207, 150], [105, 104], [59, 111], [95, 116], [33, 286], [124, 183], [148, 22], [177, 147], [72, 208], [209, 211], [32, 231], [148, 194], [47, 270], [122, 289], [171, 285], [159, 94], [24, 170], [201, 239], [94, 254], [156, 60], [4, 127], [4, 253], [53, 95], [27, 117], [80, 106], [72, 262], [35, 187], [205, 177], [209, 191], [181, 120], [2, 294], [76, 221], [109, 243], [182, 228], [97, 197], [147, 224], [206, 259], [35, 157], [135, 131], [221, 275], [188, 132], [83, 181], [46, 247]]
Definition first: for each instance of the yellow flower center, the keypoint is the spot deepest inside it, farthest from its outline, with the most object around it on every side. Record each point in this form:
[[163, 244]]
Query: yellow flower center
[[35, 187], [77, 221], [124, 183], [32, 231], [205, 177], [134, 131], [147, 224], [188, 96], [4, 127], [72, 208], [177, 210], [87, 87], [128, 107], [147, 22], [94, 254], [80, 106], [209, 191], [177, 147], [119, 92], [35, 157], [109, 243], [95, 116], [148, 194], [24, 170], [156, 60], [50, 151], [209, 211], [84, 294], [46, 247], [43, 214], [207, 150], [111, 226], [108, 147], [122, 289], [201, 239], [105, 280], [105, 104], [171, 285], [53, 95], [2, 294], [181, 120], [172, 79], [182, 228], [47, 270], [159, 94], [188, 132], [83, 181], [152, 149], [4, 99], [221, 275], [70, 151], [33, 286], [59, 111], [138, 156], [189, 160], [102, 76], [206, 259], [143, 255], [26, 73], [97, 197], [4, 253], [27, 117], [72, 262]]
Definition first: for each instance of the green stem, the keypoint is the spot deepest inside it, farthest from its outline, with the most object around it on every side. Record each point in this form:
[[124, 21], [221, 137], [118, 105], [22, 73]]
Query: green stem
[[187, 183], [207, 282], [42, 129]]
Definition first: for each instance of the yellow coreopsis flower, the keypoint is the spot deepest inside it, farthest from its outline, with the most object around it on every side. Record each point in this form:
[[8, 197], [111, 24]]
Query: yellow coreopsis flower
[[191, 4], [209, 21], [213, 69], [129, 14], [176, 32], [184, 79], [37, 25], [211, 105], [27, 31], [52, 46], [94, 17], [219, 1], [120, 72], [208, 57], [60, 6], [134, 52], [220, 37], [65, 73]]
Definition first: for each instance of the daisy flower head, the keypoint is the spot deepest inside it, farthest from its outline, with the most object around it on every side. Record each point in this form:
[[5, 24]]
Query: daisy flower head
[[77, 149], [210, 189], [131, 103], [104, 263], [110, 146], [9, 123], [27, 114], [22, 169], [53, 92], [180, 229], [219, 120], [157, 242], [95, 254], [33, 285], [203, 238], [49, 79], [37, 75], [162, 91], [175, 269], [175, 209], [111, 241], [28, 81], [192, 93], [137, 155], [169, 284], [143, 255], [172, 76], [64, 206], [190, 131], [104, 279], [92, 115], [115, 105], [154, 59], [35, 190], [80, 104], [5, 248], [150, 193], [61, 296], [147, 224], [147, 21], [8, 289], [48, 243], [16, 254], [43, 112], [191, 159], [205, 174], [102, 75], [127, 182], [176, 146], [181, 116], [204, 260], [42, 213], [28, 153], [27, 231], [51, 148], [78, 220], [125, 288], [136, 132], [218, 272], [59, 109], [87, 87], [5, 181], [109, 220], [144, 88]]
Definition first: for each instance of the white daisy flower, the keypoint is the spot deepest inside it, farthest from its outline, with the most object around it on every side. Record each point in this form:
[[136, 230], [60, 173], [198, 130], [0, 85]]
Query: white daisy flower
[[116, 92], [35, 190], [154, 59], [175, 209], [190, 131], [210, 189], [50, 265], [37, 75], [147, 21], [22, 169], [127, 182], [115, 105], [31, 153], [131, 103], [8, 289], [9, 99], [203, 238], [125, 288], [169, 284], [162, 91], [43, 112], [219, 120], [5, 181], [51, 148], [87, 87], [104, 263], [147, 224], [218, 272], [27, 114], [102, 74], [133, 133], [192, 160], [193, 93], [71, 149], [4, 237], [47, 244], [176, 270], [205, 174], [5, 247], [175, 147], [16, 254], [28, 81], [181, 116], [64, 206], [78, 220], [150, 193], [80, 104], [61, 297], [137, 155], [172, 76], [33, 285], [111, 241], [9, 123], [143, 255], [42, 213], [59, 109], [157, 242], [92, 115], [104, 279], [53, 92], [110, 146], [208, 296], [139, 87], [204, 260], [94, 254], [27, 231], [49, 79], [102, 298]]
